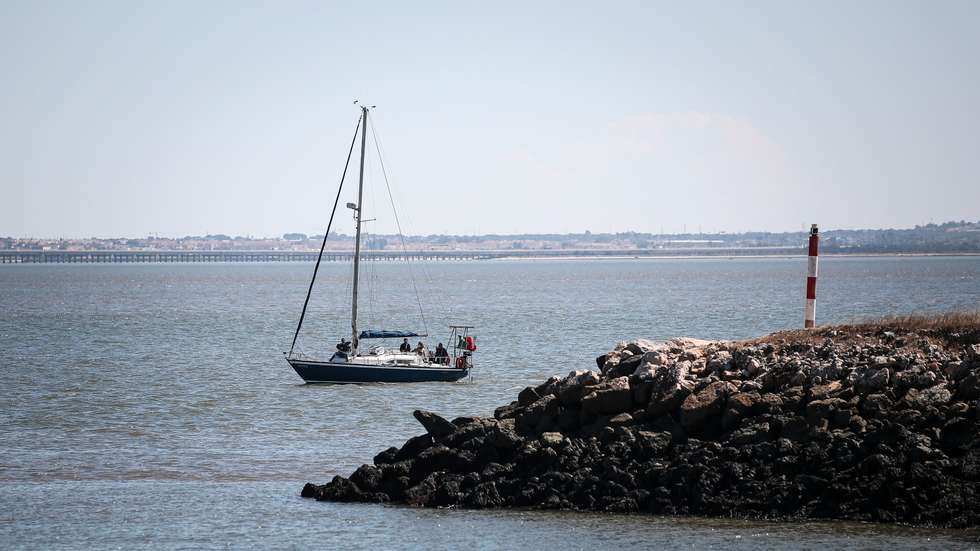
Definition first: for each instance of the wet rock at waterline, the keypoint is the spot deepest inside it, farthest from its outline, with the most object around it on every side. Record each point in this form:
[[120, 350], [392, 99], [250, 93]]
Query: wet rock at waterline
[[876, 423]]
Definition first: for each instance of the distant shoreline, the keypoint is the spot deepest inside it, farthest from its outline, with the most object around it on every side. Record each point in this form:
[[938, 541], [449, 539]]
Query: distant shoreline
[[238, 257], [732, 257]]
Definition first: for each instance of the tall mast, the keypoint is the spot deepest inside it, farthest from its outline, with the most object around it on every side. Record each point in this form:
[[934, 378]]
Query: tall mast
[[357, 238]]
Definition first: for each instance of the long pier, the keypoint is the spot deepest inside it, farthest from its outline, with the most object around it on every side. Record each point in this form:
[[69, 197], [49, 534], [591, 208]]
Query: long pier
[[137, 257]]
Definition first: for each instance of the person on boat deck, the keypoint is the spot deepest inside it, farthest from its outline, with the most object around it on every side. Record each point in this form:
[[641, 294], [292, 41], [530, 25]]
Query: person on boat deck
[[420, 349], [442, 355], [405, 347], [343, 345]]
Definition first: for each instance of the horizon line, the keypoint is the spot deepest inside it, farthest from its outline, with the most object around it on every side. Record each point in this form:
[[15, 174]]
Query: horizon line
[[526, 235]]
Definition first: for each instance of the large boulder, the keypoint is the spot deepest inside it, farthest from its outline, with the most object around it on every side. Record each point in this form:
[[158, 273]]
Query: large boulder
[[921, 399], [435, 425], [613, 396], [870, 380], [702, 406], [528, 396], [738, 406], [531, 419]]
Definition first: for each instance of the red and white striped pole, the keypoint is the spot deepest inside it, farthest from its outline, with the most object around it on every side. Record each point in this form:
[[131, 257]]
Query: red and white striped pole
[[811, 279]]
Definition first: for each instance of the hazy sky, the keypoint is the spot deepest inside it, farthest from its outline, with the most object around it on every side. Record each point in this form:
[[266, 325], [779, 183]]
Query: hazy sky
[[235, 117]]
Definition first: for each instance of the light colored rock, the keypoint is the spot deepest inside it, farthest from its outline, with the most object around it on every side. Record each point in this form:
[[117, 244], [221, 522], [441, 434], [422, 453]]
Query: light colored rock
[[923, 398], [551, 438], [649, 346], [821, 392], [648, 372], [620, 420], [584, 377], [655, 358], [688, 342]]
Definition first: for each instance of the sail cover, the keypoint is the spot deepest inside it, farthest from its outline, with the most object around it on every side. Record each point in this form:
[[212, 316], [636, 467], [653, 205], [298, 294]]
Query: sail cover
[[384, 334]]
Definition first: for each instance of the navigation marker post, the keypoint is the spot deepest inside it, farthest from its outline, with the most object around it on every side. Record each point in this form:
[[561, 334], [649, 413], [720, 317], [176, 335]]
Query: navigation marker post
[[811, 279]]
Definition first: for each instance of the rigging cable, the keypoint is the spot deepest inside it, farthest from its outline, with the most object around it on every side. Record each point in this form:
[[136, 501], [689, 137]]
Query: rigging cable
[[445, 307], [401, 236], [325, 236]]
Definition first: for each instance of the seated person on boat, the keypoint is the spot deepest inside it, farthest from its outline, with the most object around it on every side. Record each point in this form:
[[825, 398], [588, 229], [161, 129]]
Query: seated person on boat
[[442, 355]]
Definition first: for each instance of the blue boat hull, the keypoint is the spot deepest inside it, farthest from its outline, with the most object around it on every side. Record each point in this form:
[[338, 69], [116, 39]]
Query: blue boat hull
[[341, 373]]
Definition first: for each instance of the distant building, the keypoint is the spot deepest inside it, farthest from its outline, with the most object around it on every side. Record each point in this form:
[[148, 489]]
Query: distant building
[[294, 236]]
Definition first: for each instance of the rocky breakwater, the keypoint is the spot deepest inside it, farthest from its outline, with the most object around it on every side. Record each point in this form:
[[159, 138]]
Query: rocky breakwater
[[872, 423]]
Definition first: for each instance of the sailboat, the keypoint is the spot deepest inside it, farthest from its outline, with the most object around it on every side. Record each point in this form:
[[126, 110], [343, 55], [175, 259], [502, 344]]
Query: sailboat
[[357, 361]]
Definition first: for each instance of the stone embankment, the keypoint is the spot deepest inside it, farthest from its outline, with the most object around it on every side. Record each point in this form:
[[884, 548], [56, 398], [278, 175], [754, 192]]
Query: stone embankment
[[866, 422]]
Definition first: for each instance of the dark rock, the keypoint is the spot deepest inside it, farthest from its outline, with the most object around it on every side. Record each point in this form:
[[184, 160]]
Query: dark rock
[[387, 456], [754, 433], [698, 408], [536, 417], [423, 493], [339, 489], [870, 380], [528, 396], [466, 420], [547, 387], [612, 397], [958, 434], [484, 496], [309, 490], [666, 401], [413, 447], [572, 394], [435, 425], [441, 458], [969, 388], [466, 434], [506, 412], [738, 406], [367, 478], [970, 468], [641, 392], [875, 405], [625, 367], [820, 410]]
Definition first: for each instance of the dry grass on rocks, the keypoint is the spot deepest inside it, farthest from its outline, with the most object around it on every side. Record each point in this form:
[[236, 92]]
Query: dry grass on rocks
[[948, 327]]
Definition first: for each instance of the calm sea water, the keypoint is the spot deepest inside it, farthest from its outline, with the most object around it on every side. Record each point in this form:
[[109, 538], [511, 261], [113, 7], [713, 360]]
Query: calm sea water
[[149, 406]]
